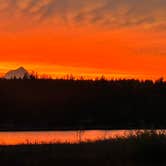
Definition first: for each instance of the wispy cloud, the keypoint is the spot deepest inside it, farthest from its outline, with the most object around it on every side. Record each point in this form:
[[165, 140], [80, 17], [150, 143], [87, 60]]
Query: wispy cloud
[[109, 13]]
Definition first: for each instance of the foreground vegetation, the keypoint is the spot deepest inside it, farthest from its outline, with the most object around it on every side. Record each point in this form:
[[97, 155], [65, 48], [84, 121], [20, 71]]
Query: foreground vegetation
[[82, 104], [143, 149]]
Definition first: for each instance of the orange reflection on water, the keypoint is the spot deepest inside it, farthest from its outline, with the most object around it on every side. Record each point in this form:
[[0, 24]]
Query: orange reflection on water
[[14, 138]]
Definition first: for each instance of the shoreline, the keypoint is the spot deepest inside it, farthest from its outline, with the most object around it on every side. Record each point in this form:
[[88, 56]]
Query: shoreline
[[77, 129], [144, 149]]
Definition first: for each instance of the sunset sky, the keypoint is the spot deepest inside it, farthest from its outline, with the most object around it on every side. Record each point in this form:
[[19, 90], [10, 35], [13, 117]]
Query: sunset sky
[[117, 38]]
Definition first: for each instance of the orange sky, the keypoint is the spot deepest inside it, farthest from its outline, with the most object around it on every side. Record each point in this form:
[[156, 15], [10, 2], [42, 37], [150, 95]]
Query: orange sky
[[70, 40]]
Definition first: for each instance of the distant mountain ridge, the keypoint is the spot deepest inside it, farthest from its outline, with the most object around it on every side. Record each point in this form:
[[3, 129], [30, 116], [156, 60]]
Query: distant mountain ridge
[[19, 73]]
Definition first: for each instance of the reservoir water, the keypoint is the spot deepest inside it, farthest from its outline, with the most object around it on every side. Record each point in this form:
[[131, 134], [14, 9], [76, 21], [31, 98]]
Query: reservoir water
[[40, 137]]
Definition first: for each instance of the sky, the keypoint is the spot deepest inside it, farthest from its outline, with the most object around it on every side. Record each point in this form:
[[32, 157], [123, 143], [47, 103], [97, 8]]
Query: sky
[[115, 38]]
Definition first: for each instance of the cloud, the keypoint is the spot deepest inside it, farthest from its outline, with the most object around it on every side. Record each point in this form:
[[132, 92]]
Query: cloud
[[109, 13]]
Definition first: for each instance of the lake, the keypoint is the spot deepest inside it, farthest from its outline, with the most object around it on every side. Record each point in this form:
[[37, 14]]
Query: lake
[[39, 137]]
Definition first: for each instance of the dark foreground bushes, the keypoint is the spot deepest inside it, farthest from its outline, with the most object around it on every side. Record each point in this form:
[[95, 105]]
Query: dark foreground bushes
[[85, 104], [144, 149]]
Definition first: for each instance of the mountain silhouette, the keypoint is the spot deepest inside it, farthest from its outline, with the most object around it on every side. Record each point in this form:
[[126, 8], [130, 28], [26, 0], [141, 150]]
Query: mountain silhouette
[[19, 73]]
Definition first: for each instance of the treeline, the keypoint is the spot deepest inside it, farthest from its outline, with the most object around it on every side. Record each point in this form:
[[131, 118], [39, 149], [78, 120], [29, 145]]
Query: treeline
[[82, 104]]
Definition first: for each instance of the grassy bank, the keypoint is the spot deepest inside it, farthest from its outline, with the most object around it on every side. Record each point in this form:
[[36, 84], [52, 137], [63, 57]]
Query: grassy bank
[[145, 149]]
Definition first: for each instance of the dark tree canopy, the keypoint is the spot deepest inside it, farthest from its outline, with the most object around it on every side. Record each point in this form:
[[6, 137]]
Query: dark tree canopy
[[86, 104]]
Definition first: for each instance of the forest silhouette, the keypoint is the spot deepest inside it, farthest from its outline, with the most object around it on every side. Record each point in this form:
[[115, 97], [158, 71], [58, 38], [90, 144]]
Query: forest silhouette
[[47, 104]]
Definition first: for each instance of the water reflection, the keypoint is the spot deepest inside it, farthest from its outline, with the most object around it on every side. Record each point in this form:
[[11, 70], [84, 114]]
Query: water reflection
[[13, 138]]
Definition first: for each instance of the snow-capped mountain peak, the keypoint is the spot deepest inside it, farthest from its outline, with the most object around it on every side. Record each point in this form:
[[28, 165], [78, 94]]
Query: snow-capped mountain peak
[[19, 73]]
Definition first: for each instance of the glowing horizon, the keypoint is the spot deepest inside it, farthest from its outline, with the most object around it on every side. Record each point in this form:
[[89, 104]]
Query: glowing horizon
[[45, 71]]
